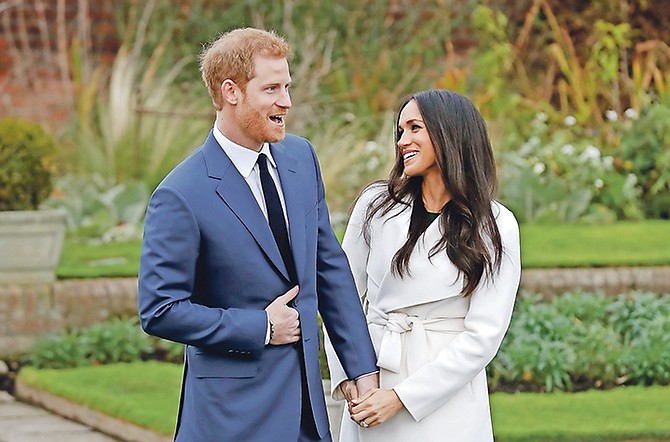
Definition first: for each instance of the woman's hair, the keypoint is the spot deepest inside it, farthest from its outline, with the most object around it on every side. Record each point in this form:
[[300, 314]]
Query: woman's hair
[[232, 56], [465, 159]]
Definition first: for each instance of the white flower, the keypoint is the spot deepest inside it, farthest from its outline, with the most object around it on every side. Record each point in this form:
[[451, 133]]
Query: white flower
[[570, 120], [538, 168], [534, 141], [608, 161], [541, 117], [631, 113], [590, 153], [371, 146], [598, 183], [568, 149], [611, 115], [372, 164]]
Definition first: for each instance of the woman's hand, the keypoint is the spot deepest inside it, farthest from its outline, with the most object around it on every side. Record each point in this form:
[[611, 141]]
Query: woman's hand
[[375, 407]]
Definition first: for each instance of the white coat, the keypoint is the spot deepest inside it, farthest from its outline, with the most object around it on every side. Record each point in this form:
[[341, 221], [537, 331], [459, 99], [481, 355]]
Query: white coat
[[433, 344]]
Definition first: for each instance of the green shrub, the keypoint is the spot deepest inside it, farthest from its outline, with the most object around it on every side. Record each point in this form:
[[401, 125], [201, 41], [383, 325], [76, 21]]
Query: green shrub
[[115, 341], [645, 152], [580, 341], [561, 173], [63, 351], [25, 177], [119, 340]]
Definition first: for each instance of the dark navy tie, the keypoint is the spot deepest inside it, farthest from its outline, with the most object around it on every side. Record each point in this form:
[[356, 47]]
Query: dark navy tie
[[276, 215]]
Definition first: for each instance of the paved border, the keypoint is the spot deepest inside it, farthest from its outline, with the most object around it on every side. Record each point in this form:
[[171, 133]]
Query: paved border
[[79, 413], [605, 280]]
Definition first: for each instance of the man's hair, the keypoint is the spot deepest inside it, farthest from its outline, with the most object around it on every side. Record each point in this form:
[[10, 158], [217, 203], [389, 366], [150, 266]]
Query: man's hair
[[232, 55]]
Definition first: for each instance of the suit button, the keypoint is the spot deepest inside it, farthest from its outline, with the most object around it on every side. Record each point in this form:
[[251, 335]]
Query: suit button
[[231, 351]]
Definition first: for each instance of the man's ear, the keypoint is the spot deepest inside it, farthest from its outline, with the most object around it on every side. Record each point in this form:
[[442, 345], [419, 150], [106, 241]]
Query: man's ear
[[230, 92]]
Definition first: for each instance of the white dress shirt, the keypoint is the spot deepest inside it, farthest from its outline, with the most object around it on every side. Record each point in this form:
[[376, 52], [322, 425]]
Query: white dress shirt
[[245, 161]]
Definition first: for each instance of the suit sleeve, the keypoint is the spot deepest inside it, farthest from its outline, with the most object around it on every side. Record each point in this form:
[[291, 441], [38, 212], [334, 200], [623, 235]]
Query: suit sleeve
[[167, 274], [357, 251], [486, 323], [339, 305]]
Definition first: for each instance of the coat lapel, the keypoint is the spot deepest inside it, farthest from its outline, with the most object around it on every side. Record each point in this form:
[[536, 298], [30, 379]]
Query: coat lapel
[[295, 211], [235, 193]]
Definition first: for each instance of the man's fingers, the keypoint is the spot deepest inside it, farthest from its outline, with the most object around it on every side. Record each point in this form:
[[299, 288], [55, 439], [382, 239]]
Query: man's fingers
[[288, 296]]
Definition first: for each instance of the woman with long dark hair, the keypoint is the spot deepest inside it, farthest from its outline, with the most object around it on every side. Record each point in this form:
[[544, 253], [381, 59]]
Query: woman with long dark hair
[[436, 262]]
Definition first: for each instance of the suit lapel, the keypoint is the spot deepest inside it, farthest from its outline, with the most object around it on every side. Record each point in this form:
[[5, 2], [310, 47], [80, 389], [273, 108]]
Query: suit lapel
[[235, 193], [295, 211]]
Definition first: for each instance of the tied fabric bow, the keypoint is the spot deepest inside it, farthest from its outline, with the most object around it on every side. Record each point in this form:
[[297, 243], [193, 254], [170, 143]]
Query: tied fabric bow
[[416, 345]]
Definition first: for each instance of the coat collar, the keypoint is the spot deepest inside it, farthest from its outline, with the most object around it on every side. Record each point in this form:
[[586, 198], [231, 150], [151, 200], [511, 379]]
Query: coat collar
[[430, 279]]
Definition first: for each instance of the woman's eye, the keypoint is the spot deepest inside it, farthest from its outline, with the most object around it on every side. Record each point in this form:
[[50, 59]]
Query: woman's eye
[[416, 127]]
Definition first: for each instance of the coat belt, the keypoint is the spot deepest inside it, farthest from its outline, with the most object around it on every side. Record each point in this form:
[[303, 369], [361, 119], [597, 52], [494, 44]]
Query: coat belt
[[416, 343]]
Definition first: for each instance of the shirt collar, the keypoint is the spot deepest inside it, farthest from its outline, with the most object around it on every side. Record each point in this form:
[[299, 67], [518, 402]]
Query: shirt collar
[[244, 159]]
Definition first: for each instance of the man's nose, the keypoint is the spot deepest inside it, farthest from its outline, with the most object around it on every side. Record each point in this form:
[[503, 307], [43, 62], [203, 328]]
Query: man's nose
[[285, 100]]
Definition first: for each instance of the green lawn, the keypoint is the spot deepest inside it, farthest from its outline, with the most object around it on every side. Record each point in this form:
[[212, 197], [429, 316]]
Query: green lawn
[[624, 413], [81, 260], [144, 393], [542, 246], [147, 393], [573, 245]]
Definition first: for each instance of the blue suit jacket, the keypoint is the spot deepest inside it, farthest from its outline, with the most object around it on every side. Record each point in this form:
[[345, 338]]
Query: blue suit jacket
[[210, 266]]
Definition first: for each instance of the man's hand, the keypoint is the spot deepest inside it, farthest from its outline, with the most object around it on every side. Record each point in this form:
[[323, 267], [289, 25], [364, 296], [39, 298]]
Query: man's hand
[[284, 319], [366, 383], [349, 391]]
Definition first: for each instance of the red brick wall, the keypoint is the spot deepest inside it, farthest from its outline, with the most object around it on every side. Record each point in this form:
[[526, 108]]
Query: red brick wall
[[37, 41]]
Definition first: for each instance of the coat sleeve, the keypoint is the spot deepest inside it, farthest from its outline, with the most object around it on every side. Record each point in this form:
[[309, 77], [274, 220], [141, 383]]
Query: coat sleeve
[[166, 280], [357, 251], [486, 323]]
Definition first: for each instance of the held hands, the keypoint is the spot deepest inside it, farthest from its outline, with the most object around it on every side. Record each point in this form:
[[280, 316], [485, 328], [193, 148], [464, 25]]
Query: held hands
[[354, 389], [375, 407], [284, 319]]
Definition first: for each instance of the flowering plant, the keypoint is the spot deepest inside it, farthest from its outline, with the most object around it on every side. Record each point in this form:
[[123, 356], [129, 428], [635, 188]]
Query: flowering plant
[[559, 173]]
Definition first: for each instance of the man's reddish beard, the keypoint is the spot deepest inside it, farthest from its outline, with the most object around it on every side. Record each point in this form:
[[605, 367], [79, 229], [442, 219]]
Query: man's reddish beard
[[257, 126]]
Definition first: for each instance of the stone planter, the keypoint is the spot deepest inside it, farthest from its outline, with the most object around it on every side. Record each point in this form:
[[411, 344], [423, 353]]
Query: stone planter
[[30, 245]]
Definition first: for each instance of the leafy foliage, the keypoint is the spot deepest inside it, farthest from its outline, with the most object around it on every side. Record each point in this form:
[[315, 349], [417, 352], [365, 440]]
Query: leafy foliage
[[645, 152], [579, 341], [559, 174], [119, 340], [97, 211], [25, 175]]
